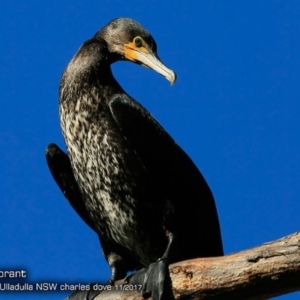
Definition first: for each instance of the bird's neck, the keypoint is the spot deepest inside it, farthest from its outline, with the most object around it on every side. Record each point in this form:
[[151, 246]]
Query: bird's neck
[[89, 72]]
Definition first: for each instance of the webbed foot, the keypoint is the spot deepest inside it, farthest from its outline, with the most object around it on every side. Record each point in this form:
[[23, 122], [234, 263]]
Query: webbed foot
[[155, 281]]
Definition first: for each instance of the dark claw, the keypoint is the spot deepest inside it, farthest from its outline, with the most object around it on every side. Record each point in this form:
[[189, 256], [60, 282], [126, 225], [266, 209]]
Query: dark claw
[[155, 281]]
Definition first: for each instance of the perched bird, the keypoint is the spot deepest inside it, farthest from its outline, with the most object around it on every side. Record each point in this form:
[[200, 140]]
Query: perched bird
[[123, 174]]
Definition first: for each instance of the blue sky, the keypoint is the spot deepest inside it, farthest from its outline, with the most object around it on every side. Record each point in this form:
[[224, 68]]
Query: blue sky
[[234, 109]]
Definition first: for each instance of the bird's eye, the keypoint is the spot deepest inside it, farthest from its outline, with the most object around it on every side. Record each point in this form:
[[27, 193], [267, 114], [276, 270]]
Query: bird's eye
[[138, 41]]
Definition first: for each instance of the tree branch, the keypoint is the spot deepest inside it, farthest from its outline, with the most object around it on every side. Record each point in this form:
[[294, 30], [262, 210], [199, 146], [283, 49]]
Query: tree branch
[[260, 273]]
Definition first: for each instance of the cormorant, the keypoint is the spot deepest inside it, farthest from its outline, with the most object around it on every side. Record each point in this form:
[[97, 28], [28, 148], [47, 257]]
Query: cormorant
[[123, 174]]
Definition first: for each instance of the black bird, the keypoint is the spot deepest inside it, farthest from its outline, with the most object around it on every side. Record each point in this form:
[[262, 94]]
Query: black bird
[[124, 175]]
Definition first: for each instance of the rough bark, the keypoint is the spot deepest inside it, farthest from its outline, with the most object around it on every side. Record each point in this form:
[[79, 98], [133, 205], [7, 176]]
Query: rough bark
[[260, 273]]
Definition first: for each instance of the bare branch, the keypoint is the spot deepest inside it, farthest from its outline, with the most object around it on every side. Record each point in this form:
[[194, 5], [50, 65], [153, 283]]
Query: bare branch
[[260, 273]]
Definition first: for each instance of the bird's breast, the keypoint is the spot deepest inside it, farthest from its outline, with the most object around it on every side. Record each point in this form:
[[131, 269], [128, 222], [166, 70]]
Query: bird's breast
[[111, 177]]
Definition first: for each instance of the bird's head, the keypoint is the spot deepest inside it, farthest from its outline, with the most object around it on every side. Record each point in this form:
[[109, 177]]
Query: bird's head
[[127, 40]]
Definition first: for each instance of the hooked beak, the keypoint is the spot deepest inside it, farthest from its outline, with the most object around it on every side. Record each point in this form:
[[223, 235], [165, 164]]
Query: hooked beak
[[145, 57]]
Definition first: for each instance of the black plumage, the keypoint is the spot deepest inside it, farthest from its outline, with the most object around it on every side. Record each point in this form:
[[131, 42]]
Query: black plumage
[[124, 175]]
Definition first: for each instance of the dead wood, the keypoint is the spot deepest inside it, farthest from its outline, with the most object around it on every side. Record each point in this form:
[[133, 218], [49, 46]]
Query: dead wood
[[269, 270]]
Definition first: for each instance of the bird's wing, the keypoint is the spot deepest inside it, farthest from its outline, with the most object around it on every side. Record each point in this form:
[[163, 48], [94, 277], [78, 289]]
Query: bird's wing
[[173, 172], [158, 151], [154, 145], [60, 168]]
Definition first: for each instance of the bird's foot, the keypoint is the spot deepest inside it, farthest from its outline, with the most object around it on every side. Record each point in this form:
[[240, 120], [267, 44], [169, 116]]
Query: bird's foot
[[155, 281]]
